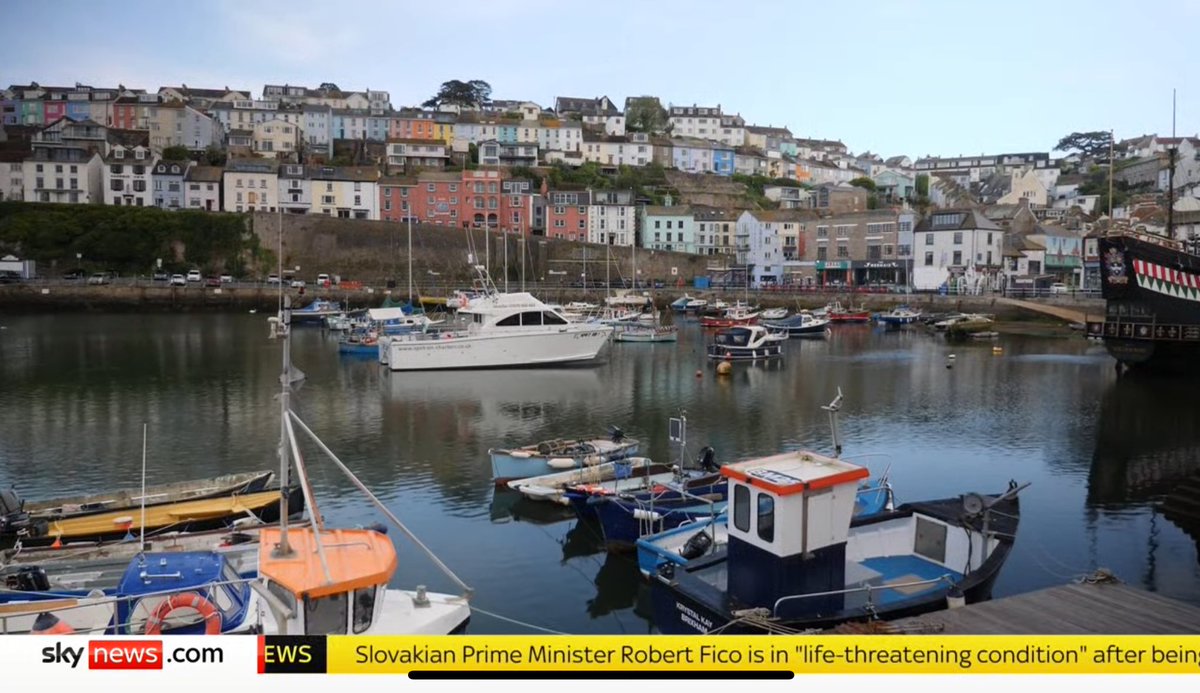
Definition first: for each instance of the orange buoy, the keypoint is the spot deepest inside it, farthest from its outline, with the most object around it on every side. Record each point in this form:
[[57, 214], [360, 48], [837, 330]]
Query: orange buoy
[[57, 542], [187, 600], [48, 624]]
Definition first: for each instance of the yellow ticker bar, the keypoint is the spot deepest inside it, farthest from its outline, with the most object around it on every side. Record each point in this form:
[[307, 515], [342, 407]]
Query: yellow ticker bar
[[801, 654]]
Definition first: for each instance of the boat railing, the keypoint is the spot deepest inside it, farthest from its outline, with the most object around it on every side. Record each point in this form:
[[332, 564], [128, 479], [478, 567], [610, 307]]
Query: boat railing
[[869, 590], [48, 600]]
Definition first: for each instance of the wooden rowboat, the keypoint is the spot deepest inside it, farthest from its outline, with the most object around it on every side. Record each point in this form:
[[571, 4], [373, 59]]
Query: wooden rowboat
[[185, 516], [131, 498]]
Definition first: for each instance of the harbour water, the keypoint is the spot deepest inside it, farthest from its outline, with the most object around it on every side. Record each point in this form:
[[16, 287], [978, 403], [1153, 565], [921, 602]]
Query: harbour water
[[1115, 463]]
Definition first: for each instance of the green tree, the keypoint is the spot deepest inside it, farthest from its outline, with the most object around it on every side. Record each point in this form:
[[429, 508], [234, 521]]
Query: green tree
[[864, 183], [176, 153], [922, 184], [214, 156], [1089, 144], [645, 114], [470, 94], [473, 152]]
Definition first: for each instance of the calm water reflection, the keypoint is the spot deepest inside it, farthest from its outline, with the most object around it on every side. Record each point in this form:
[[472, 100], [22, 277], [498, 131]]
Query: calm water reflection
[[1114, 463]]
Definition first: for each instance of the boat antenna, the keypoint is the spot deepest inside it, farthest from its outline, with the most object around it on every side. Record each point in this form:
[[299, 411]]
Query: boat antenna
[[142, 533], [285, 318], [279, 261], [833, 408]]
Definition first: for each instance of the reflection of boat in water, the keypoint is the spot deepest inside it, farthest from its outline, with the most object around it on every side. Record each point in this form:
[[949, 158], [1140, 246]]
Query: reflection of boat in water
[[617, 584], [508, 505]]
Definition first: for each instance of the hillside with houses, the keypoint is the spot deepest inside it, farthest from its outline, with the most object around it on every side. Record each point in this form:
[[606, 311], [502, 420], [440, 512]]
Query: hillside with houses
[[769, 204]]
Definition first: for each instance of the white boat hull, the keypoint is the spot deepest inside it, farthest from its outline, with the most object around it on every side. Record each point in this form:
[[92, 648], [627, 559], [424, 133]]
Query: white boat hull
[[498, 350]]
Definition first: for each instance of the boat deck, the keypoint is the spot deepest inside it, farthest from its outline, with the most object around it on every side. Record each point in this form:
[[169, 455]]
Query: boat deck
[[890, 579], [1075, 609]]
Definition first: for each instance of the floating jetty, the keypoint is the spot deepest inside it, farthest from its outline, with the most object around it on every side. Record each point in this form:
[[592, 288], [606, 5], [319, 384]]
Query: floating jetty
[[1087, 608]]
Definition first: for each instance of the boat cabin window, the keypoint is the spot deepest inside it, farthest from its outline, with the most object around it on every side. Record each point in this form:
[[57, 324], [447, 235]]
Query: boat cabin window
[[741, 508], [283, 594], [364, 609], [739, 338], [549, 318], [527, 318], [766, 517], [325, 616]]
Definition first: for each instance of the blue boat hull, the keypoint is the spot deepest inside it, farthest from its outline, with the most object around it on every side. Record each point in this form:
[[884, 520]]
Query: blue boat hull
[[626, 521], [898, 320]]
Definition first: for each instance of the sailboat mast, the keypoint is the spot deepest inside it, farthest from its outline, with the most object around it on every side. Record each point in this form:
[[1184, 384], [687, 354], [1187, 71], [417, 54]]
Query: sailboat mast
[[1111, 139], [1171, 151], [284, 549], [410, 276]]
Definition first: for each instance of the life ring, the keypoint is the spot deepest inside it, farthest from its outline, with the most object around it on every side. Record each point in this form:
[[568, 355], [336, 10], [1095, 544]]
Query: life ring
[[187, 600]]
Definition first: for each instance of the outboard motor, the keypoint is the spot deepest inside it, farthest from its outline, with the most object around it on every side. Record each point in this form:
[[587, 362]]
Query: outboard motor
[[29, 578], [617, 434], [696, 546], [14, 521], [706, 460]]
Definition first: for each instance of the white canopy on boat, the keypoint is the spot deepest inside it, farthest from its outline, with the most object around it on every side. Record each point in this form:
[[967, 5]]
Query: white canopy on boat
[[385, 314]]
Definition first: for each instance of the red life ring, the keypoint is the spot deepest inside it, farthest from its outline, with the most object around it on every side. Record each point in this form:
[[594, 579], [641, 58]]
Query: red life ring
[[187, 600]]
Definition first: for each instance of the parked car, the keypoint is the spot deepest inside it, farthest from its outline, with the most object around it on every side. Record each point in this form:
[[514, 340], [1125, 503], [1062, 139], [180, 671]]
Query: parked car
[[9, 277], [212, 281], [322, 280], [193, 275], [178, 280], [160, 276], [226, 278], [273, 279], [1058, 288], [297, 284], [99, 278], [74, 274]]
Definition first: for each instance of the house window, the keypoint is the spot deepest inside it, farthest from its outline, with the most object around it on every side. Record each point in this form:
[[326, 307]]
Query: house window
[[887, 251], [957, 239], [874, 252], [115, 169], [929, 259], [582, 224], [989, 241], [929, 239], [957, 257], [822, 232], [822, 253], [843, 251], [431, 187]]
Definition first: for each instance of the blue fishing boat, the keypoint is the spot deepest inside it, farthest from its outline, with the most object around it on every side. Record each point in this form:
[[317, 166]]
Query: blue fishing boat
[[691, 541], [359, 343], [559, 455], [315, 312], [803, 324], [680, 305], [624, 520], [900, 315], [795, 560], [185, 593]]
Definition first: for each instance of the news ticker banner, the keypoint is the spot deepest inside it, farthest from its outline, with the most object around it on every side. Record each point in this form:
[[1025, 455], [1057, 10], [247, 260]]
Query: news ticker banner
[[602, 656]]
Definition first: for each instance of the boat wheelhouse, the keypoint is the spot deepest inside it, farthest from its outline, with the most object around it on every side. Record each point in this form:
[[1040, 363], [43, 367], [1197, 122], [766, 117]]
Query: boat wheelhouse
[[744, 343]]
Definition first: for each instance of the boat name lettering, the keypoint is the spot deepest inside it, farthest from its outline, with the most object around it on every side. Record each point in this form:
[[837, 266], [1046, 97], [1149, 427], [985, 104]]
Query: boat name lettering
[[773, 477], [693, 619]]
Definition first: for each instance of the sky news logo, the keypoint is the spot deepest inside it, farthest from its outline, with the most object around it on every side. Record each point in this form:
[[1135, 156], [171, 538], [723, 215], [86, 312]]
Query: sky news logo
[[128, 655]]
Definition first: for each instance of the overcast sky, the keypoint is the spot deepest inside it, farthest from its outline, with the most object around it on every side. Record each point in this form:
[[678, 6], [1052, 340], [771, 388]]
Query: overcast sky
[[942, 77]]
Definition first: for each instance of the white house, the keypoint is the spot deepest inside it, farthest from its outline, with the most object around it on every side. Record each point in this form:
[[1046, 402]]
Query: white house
[[611, 217], [348, 192], [768, 239], [693, 155], [295, 189], [559, 136], [670, 227], [632, 150], [957, 244], [707, 123], [410, 153], [250, 185], [276, 138], [317, 128], [127, 176], [202, 188]]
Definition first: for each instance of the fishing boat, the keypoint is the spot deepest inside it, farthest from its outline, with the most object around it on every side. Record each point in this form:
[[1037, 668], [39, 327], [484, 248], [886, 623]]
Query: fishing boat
[[744, 343], [794, 560], [189, 593], [701, 537], [680, 305], [505, 330], [359, 343], [954, 319], [549, 456], [802, 324], [182, 516], [647, 333], [900, 315], [774, 314], [626, 518], [153, 495], [696, 305], [839, 313], [965, 326], [630, 473], [316, 312], [737, 314]]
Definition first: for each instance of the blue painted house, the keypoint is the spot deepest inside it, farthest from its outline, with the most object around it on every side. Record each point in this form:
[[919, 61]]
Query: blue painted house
[[724, 161]]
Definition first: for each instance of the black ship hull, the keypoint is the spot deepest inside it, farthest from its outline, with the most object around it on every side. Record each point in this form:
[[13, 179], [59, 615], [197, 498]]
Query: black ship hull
[[1151, 287]]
